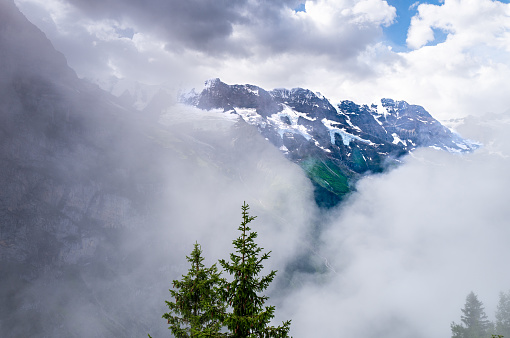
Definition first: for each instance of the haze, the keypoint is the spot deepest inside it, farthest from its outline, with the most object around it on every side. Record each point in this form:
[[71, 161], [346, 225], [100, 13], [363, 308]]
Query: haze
[[396, 259]]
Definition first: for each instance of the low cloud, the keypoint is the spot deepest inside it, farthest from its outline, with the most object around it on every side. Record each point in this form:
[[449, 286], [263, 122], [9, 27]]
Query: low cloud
[[409, 245]]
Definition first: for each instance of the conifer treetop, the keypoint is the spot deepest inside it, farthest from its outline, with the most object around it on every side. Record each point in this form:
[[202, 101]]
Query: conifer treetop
[[249, 316], [198, 309]]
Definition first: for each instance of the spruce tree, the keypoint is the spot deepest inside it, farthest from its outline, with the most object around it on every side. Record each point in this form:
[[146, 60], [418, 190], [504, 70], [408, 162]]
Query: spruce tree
[[249, 317], [474, 320], [503, 315], [197, 310]]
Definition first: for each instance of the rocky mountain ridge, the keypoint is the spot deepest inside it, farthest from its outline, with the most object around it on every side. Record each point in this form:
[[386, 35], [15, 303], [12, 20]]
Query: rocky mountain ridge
[[334, 145]]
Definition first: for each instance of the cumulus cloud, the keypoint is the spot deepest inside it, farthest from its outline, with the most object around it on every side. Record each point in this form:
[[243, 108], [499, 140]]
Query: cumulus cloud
[[470, 22], [336, 29], [236, 27], [335, 47], [196, 24], [463, 75], [205, 37]]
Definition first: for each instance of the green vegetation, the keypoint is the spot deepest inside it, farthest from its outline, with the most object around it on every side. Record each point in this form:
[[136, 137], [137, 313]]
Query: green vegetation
[[207, 305], [474, 322], [328, 178], [197, 310], [249, 316], [503, 315], [359, 160], [331, 182], [328, 175]]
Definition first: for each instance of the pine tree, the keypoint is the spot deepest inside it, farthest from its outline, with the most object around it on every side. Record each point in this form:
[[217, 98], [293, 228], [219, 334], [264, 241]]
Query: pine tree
[[503, 315], [198, 310], [249, 316], [474, 320]]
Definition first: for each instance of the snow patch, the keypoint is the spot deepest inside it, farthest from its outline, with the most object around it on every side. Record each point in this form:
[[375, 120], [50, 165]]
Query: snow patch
[[462, 146], [294, 127], [453, 150], [376, 118], [348, 119], [436, 147], [381, 110], [209, 83], [346, 136], [250, 116], [254, 91], [397, 140]]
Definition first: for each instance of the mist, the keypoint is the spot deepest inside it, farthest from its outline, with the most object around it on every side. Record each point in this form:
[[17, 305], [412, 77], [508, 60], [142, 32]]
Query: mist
[[109, 273], [409, 245], [101, 204]]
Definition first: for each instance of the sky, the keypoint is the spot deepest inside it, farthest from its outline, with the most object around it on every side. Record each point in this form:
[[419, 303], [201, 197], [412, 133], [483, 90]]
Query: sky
[[403, 251], [396, 33], [450, 56]]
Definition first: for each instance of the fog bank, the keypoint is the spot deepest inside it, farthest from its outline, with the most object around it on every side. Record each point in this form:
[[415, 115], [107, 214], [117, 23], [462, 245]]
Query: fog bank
[[407, 248]]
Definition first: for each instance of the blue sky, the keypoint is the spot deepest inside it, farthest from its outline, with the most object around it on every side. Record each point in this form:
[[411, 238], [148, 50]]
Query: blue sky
[[396, 34]]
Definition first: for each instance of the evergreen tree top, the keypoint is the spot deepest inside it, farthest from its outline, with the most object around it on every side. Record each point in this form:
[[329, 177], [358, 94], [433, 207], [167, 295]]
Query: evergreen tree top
[[202, 296], [249, 316], [198, 309], [474, 320], [503, 315], [473, 311]]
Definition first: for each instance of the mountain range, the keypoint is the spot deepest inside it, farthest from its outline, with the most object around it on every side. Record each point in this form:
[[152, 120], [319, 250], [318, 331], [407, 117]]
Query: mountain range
[[335, 145]]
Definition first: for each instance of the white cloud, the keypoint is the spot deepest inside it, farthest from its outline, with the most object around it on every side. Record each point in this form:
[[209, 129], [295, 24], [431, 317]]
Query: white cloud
[[411, 244], [338, 30], [328, 14], [470, 21], [374, 11], [334, 47], [420, 31], [321, 13], [414, 5]]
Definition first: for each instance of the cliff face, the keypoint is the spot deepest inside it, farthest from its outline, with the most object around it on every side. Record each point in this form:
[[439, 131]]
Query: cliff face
[[74, 183], [54, 162]]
